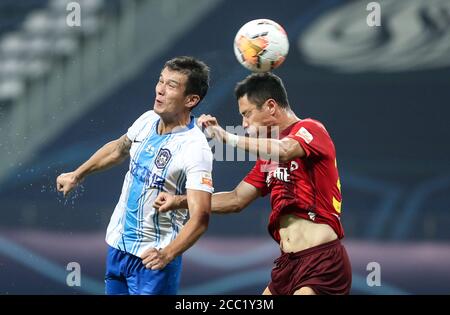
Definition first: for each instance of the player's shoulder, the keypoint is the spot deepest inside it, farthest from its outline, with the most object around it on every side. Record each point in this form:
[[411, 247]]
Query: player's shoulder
[[195, 147], [196, 144], [149, 115], [310, 124], [197, 137]]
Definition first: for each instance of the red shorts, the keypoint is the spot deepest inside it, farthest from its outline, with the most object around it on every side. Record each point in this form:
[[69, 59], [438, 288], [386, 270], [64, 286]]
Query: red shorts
[[325, 268]]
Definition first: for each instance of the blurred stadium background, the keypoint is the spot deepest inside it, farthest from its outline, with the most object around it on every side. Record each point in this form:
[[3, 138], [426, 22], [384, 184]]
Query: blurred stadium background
[[383, 92]]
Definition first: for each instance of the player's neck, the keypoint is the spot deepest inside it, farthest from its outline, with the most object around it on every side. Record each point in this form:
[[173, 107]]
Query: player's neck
[[287, 118], [166, 126]]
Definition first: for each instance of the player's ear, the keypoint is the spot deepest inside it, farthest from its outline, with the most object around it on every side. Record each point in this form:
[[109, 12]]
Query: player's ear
[[271, 106], [192, 100]]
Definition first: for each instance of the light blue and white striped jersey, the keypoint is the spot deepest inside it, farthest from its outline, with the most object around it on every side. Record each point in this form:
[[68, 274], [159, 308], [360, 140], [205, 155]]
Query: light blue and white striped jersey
[[172, 163]]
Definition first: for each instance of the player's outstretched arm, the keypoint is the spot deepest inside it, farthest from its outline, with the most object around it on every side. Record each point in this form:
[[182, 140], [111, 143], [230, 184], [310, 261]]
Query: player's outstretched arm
[[110, 154], [222, 202], [277, 150], [236, 200], [199, 205]]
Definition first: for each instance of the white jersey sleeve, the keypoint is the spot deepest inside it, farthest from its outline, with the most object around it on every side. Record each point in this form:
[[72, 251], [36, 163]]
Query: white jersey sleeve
[[138, 125], [198, 168]]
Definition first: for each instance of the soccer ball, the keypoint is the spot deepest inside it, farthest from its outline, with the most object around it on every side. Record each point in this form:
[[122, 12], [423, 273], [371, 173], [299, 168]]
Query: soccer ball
[[261, 45]]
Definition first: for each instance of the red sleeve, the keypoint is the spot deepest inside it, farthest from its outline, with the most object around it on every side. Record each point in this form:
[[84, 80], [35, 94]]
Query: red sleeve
[[257, 178], [313, 137]]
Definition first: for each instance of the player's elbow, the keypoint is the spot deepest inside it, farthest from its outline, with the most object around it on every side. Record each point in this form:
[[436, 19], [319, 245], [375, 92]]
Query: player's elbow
[[201, 220], [284, 155], [117, 157], [279, 153], [238, 205], [119, 151], [283, 158], [286, 152]]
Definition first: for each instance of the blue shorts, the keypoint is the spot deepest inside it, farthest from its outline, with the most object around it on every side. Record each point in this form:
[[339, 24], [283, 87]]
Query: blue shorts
[[125, 274]]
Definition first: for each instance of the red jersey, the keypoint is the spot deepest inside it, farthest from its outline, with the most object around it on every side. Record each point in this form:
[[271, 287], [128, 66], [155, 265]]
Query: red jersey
[[308, 187]]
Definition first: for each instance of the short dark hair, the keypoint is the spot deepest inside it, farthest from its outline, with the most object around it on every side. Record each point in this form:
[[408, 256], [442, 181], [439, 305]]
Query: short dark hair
[[260, 87], [197, 73]]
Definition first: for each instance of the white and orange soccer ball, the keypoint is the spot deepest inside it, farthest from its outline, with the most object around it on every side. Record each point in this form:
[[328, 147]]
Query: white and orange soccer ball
[[261, 45]]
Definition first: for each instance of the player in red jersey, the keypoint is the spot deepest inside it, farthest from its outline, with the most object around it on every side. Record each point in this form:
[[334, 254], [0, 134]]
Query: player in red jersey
[[299, 170]]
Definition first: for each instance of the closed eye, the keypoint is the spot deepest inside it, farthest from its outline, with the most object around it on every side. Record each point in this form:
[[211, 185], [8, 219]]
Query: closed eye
[[247, 114]]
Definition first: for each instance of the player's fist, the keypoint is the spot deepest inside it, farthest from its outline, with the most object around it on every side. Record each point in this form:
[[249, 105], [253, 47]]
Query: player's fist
[[66, 182], [165, 202], [212, 127], [155, 259], [207, 120]]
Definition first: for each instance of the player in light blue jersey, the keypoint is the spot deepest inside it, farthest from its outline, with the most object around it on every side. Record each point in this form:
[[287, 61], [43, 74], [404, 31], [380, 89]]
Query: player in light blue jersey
[[168, 153]]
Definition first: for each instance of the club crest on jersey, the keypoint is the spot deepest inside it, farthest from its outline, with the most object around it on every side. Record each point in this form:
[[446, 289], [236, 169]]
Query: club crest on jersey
[[162, 158]]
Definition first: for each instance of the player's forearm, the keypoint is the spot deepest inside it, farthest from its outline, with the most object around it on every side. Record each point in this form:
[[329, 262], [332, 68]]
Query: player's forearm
[[265, 148], [106, 157], [225, 202], [181, 202], [221, 203], [188, 235]]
